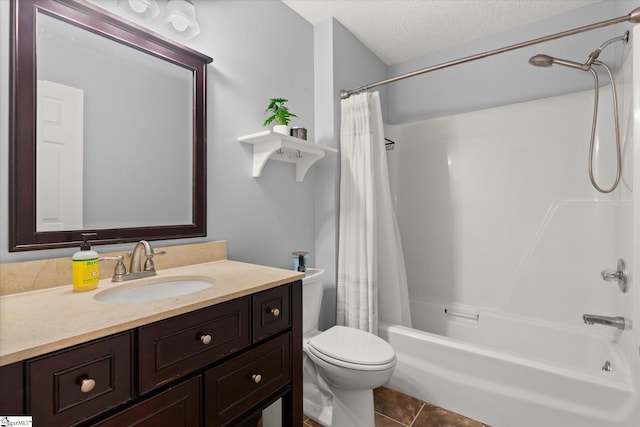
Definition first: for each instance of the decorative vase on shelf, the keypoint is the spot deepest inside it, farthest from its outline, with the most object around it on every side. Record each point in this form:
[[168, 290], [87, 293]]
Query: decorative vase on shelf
[[283, 129], [280, 114]]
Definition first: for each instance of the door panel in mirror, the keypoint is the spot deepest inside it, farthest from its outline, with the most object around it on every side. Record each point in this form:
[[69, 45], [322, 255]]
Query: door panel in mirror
[[59, 157]]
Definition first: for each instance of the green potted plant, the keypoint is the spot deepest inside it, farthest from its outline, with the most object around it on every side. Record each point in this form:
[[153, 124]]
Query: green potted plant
[[280, 114]]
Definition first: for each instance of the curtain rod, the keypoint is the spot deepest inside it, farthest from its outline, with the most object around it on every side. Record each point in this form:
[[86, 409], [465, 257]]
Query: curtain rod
[[633, 16]]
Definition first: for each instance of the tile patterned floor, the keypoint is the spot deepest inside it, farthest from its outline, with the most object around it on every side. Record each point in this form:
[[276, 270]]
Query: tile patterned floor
[[395, 409]]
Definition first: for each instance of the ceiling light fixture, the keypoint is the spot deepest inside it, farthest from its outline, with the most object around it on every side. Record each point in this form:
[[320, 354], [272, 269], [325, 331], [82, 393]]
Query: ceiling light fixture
[[147, 9], [181, 18]]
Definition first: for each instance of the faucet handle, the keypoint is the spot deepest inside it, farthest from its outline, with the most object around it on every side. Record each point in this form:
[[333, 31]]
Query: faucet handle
[[619, 275], [119, 270], [148, 264], [609, 274]]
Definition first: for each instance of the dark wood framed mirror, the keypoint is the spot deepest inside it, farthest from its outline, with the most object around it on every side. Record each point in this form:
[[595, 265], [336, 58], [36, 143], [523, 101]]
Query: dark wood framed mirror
[[135, 166]]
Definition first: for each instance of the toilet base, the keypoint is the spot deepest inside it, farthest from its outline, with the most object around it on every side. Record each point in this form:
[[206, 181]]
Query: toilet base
[[316, 404], [347, 408], [353, 408]]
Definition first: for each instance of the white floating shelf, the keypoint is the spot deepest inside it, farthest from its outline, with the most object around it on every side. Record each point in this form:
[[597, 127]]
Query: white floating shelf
[[272, 145]]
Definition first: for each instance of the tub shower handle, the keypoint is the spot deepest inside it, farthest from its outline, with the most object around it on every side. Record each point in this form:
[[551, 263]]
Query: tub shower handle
[[620, 275]]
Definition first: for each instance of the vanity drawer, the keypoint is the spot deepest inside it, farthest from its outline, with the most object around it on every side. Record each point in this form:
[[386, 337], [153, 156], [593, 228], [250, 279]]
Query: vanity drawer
[[178, 406], [271, 312], [235, 386], [55, 382], [173, 347]]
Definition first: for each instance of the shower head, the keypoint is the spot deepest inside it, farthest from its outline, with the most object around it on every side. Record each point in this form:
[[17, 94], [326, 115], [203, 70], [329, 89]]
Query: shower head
[[541, 60]]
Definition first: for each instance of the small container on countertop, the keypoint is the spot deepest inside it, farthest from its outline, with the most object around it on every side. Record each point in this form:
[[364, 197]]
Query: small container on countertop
[[85, 266], [300, 260]]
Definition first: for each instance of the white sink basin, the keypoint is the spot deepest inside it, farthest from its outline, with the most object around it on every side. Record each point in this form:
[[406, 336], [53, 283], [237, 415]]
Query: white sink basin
[[154, 291]]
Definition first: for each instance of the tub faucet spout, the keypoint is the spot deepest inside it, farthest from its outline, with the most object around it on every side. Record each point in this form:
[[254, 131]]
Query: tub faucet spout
[[618, 321]]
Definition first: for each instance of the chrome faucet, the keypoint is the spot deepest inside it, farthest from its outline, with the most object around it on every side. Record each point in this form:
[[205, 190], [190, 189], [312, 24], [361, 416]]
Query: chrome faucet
[[136, 269], [136, 263], [618, 322]]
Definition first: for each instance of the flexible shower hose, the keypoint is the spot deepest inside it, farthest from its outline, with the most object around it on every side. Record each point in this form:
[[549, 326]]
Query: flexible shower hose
[[593, 129]]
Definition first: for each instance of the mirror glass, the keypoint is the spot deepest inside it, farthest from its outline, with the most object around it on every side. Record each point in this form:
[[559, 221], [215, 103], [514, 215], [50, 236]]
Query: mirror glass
[[107, 129], [113, 137]]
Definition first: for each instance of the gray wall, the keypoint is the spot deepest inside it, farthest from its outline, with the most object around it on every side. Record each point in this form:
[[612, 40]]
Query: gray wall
[[505, 78], [261, 49]]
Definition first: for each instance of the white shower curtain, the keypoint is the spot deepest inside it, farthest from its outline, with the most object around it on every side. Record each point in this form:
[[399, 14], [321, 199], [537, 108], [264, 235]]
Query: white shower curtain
[[372, 281]]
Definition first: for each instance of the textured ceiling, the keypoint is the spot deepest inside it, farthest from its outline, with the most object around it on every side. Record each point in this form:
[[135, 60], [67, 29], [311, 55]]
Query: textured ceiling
[[400, 30]]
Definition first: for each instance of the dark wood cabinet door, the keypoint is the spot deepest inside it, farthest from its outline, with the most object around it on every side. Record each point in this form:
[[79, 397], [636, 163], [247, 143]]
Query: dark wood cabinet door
[[12, 394], [178, 406]]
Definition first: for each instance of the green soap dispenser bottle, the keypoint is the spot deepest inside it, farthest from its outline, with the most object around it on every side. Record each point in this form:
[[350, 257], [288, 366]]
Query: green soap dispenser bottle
[[85, 266]]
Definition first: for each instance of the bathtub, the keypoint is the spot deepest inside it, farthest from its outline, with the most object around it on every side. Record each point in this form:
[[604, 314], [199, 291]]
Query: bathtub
[[553, 377]]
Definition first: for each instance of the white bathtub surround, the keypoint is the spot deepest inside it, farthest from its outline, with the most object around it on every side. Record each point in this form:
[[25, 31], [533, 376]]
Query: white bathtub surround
[[482, 195], [502, 229], [370, 259]]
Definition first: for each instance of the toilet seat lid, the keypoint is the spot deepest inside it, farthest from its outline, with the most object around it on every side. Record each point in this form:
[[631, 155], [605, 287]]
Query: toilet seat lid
[[353, 346]]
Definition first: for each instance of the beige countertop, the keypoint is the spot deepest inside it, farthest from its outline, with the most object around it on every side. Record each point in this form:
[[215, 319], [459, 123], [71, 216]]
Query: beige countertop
[[38, 322]]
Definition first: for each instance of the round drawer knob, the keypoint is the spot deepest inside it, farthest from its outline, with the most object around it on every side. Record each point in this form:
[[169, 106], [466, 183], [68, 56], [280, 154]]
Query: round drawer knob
[[256, 378], [275, 311], [87, 385], [206, 339]]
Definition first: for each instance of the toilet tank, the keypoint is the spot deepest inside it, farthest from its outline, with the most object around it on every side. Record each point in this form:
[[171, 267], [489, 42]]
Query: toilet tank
[[311, 299]]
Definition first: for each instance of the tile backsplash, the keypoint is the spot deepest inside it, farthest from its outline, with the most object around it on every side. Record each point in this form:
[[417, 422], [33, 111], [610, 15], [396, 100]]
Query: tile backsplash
[[33, 275]]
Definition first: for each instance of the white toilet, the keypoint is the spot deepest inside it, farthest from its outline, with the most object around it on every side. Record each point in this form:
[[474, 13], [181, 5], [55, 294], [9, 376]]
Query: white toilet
[[342, 365]]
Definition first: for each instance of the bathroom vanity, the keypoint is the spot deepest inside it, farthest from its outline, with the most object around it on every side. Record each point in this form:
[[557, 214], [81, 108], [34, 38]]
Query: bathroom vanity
[[211, 358]]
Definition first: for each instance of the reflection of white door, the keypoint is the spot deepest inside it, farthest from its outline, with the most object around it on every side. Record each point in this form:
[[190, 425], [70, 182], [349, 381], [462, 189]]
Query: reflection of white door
[[59, 157]]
